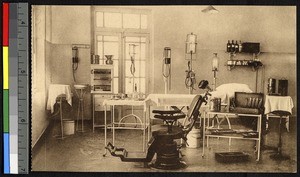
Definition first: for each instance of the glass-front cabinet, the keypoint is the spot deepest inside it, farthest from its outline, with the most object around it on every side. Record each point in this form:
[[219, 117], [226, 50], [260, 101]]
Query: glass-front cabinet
[[102, 78]]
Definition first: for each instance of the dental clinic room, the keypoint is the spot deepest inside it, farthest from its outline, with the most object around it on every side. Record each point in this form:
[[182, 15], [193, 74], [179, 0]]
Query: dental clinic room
[[163, 88]]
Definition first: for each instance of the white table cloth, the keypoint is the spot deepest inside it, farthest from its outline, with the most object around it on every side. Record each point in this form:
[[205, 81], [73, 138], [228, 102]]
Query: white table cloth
[[55, 90], [283, 103]]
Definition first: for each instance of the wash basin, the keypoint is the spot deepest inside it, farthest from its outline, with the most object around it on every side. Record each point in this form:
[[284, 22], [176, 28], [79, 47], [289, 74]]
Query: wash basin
[[80, 86]]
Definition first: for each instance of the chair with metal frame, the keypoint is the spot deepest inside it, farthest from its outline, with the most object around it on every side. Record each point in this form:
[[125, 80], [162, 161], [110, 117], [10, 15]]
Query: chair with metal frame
[[162, 142]]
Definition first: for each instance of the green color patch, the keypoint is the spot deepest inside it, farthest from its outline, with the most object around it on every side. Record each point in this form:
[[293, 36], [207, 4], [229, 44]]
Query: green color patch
[[5, 111]]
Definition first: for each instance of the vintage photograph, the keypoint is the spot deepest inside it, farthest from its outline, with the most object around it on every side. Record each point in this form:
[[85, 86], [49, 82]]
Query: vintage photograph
[[195, 88]]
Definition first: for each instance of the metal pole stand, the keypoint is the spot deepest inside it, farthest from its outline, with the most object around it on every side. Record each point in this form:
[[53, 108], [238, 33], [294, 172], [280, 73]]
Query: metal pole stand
[[80, 94]]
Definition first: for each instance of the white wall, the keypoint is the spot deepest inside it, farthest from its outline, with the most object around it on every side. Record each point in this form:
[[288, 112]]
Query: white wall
[[274, 27], [71, 25], [40, 73]]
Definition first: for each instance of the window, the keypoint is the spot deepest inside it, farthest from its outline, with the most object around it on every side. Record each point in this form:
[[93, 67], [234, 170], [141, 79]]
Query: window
[[114, 31]]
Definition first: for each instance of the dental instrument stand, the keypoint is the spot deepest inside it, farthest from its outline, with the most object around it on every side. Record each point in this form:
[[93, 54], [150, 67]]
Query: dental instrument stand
[[80, 92]]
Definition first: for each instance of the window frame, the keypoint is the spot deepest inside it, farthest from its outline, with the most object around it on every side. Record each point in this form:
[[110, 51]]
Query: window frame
[[124, 32]]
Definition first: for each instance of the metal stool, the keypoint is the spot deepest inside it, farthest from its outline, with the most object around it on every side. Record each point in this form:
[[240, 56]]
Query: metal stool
[[278, 155], [80, 91]]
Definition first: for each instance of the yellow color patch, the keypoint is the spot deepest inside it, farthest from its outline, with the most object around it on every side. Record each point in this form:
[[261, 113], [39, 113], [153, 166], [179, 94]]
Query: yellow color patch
[[5, 67]]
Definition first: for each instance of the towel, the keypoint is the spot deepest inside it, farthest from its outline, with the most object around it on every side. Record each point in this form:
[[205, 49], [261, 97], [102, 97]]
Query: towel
[[283, 103], [55, 90]]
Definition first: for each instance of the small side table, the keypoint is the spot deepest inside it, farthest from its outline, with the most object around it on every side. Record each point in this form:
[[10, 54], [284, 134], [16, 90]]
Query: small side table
[[274, 103], [281, 107], [80, 92]]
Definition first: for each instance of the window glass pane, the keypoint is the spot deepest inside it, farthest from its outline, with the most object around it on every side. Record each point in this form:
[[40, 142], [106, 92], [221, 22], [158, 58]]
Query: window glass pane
[[143, 51], [142, 85], [99, 49], [137, 68], [127, 57], [111, 38], [111, 48], [144, 22], [99, 19], [131, 21], [138, 52], [143, 69], [116, 68], [112, 20], [116, 85], [99, 38], [128, 85], [127, 69], [137, 83]]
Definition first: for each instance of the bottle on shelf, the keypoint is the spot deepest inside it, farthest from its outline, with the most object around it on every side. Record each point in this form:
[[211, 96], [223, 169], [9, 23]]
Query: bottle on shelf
[[232, 46], [228, 48], [240, 46], [236, 47]]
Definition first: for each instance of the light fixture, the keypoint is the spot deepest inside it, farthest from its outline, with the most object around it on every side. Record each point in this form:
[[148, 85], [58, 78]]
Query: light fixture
[[191, 42], [191, 45], [215, 62], [210, 9], [166, 68]]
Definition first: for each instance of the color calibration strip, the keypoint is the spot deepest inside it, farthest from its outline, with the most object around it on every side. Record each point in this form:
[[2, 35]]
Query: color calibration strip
[[15, 88], [6, 152]]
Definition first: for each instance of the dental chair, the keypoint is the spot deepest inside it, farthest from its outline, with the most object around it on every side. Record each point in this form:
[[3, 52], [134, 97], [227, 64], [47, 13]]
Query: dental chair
[[162, 142]]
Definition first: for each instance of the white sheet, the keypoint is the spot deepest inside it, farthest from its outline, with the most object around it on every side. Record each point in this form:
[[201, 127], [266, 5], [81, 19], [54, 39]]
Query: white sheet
[[54, 91], [226, 91], [283, 103]]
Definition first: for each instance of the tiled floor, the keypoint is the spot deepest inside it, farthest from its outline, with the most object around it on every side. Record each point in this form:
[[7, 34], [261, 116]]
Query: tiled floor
[[83, 152]]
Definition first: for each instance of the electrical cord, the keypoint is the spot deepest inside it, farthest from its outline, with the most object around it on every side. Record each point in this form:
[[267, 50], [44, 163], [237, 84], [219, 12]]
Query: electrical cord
[[74, 68], [190, 79], [132, 66]]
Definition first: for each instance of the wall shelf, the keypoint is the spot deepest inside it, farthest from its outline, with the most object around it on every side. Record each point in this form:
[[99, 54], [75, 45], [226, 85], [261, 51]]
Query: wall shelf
[[254, 62], [249, 63]]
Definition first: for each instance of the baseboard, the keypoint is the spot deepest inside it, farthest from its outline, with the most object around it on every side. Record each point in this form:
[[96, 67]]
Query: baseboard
[[39, 141]]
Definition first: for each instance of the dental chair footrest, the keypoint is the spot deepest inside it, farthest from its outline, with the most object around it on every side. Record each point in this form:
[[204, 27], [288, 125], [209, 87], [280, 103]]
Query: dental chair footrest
[[134, 157], [124, 155]]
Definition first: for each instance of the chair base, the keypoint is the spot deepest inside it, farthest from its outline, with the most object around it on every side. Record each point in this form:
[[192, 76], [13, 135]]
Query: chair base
[[279, 157], [168, 157], [178, 165]]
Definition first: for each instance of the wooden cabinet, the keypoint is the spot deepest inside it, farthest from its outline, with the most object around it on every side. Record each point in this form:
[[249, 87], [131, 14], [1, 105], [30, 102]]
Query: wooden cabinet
[[101, 88]]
